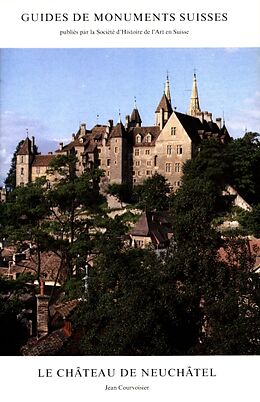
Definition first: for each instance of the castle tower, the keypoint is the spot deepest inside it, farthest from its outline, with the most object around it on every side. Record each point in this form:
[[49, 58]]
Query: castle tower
[[194, 109], [119, 154], [164, 109], [24, 159]]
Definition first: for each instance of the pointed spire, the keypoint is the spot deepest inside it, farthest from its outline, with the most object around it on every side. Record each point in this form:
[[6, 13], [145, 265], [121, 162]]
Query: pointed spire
[[135, 118], [194, 108], [167, 88]]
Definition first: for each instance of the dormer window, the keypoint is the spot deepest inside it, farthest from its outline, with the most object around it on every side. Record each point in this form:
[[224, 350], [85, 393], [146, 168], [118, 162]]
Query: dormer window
[[148, 138], [138, 139]]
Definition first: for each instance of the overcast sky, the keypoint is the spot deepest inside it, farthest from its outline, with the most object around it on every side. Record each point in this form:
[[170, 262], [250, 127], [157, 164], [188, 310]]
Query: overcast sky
[[50, 91]]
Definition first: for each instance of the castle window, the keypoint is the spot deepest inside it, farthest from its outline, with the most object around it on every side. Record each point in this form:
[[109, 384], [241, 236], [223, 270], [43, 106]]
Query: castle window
[[148, 138], [108, 173], [21, 158], [136, 152], [137, 163], [155, 160], [173, 130], [22, 171], [115, 162], [116, 150], [138, 139], [139, 173], [149, 163], [169, 149], [133, 173], [177, 167], [148, 172], [147, 152], [168, 167], [108, 162], [179, 149]]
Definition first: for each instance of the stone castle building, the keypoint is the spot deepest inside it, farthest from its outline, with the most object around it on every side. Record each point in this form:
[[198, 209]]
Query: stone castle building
[[129, 152]]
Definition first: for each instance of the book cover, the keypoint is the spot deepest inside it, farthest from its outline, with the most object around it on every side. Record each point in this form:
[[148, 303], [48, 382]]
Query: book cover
[[74, 72]]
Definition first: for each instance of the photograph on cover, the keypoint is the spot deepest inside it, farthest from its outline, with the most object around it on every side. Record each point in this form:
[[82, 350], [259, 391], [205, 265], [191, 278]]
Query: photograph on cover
[[129, 202]]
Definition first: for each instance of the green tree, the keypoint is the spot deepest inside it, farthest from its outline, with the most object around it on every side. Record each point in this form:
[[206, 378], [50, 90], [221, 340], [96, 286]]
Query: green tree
[[243, 156], [250, 221], [122, 191], [153, 194], [10, 180], [220, 285], [74, 202]]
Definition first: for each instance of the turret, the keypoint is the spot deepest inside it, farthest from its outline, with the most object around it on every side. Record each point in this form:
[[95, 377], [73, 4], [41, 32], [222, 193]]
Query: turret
[[164, 109]]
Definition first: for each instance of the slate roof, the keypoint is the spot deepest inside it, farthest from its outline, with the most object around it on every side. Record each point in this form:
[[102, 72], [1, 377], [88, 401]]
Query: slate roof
[[25, 148], [164, 104], [143, 131], [43, 160], [135, 116], [156, 225], [191, 125], [118, 131]]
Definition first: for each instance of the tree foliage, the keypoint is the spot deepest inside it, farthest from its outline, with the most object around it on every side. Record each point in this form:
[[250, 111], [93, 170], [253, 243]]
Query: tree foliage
[[153, 194], [10, 180]]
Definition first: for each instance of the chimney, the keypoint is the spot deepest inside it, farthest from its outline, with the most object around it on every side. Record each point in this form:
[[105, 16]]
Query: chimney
[[127, 121], [82, 129], [208, 116], [219, 122], [42, 312], [161, 119], [33, 144], [200, 115], [60, 146]]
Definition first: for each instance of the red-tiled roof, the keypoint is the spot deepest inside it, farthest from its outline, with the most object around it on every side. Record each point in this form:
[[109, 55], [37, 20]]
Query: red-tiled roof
[[43, 160], [49, 345]]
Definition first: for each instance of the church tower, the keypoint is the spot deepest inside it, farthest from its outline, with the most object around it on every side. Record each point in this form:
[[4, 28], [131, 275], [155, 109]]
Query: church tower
[[164, 109], [194, 109]]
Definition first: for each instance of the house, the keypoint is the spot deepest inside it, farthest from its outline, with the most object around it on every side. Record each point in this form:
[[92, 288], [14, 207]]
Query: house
[[54, 326], [152, 229], [130, 153]]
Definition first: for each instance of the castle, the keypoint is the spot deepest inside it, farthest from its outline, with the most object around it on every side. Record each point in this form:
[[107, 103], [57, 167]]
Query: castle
[[130, 153]]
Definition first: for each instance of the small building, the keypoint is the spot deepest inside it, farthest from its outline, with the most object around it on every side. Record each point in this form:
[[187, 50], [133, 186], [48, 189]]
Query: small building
[[152, 229]]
